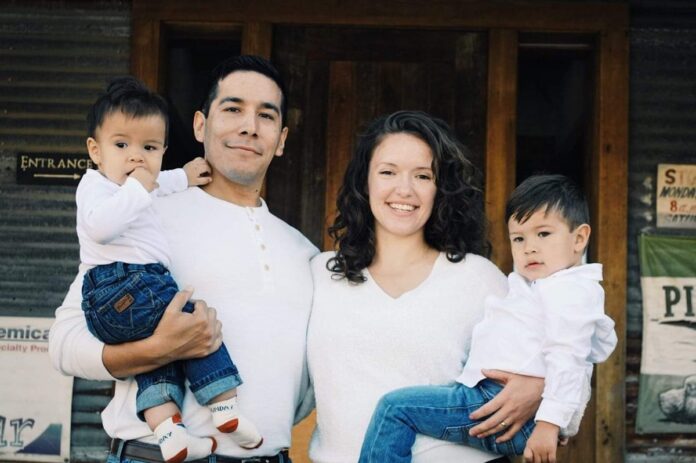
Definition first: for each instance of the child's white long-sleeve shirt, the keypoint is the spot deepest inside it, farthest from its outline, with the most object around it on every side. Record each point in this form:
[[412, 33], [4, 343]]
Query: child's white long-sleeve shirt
[[553, 328], [116, 223]]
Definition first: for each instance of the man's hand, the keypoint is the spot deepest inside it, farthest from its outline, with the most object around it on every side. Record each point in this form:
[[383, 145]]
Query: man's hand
[[198, 172], [181, 335], [541, 446], [146, 179], [511, 408]]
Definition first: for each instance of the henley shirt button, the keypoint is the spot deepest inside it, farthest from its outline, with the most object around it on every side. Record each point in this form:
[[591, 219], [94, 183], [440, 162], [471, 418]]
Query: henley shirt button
[[263, 247], [266, 267], [258, 227]]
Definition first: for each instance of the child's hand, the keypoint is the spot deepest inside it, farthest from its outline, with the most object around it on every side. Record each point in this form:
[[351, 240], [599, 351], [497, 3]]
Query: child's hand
[[146, 179], [541, 446], [198, 172]]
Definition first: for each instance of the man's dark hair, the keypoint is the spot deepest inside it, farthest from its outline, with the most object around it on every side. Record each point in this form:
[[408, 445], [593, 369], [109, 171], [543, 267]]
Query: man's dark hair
[[548, 193], [251, 63], [131, 97]]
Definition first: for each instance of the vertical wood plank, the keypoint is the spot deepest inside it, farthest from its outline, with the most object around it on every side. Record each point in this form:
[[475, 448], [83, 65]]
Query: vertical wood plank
[[500, 139], [257, 38], [340, 134], [610, 198], [146, 49], [470, 62], [314, 157]]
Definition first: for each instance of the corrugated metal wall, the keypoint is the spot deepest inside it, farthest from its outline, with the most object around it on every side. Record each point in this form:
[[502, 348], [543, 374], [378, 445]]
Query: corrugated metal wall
[[662, 130], [55, 57]]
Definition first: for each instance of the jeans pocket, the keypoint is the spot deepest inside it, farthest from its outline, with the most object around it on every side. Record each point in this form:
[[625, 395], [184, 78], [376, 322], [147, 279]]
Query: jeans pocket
[[130, 310]]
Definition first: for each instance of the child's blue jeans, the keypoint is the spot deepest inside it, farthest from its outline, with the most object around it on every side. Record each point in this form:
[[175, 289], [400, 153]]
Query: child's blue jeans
[[441, 412], [125, 302]]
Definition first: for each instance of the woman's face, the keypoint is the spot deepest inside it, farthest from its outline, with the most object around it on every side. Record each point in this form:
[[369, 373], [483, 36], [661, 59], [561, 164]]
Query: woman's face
[[401, 186]]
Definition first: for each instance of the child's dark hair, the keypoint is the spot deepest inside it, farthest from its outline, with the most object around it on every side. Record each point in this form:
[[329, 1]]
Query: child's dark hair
[[250, 63], [548, 193], [131, 97]]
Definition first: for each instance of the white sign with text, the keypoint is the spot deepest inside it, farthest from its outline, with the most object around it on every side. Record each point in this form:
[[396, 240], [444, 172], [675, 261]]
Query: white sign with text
[[36, 399], [676, 195]]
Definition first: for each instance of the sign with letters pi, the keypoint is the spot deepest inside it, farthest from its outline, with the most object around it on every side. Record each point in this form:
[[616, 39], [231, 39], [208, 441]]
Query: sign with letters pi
[[52, 168], [667, 395]]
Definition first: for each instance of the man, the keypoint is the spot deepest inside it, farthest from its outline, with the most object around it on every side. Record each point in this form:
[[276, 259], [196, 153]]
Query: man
[[237, 257]]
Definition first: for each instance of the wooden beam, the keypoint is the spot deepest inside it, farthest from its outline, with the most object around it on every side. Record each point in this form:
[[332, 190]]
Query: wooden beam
[[340, 133], [501, 132], [257, 39], [610, 198], [521, 15], [145, 51]]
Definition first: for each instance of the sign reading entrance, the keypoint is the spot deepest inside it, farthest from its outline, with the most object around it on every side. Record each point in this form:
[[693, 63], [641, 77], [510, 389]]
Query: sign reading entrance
[[51, 168]]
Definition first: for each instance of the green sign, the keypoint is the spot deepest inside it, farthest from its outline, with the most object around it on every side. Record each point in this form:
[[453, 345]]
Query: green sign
[[667, 396]]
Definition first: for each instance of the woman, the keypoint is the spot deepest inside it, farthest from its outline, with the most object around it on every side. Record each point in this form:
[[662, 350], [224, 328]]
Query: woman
[[394, 306]]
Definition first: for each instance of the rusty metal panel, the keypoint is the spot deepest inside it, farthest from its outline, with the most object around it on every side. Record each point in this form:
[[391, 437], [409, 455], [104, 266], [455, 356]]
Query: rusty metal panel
[[662, 121], [55, 57]]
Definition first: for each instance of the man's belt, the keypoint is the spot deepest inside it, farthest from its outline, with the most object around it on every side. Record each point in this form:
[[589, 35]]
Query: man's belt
[[151, 453]]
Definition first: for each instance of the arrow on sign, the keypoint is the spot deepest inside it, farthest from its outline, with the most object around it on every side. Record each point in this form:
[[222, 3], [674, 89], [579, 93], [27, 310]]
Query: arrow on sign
[[72, 176]]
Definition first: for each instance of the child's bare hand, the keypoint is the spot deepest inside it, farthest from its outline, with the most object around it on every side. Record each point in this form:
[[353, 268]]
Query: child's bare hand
[[145, 177], [541, 446], [198, 172]]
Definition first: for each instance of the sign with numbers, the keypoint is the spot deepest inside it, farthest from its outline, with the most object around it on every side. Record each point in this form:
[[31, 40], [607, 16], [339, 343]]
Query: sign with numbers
[[36, 399], [676, 195]]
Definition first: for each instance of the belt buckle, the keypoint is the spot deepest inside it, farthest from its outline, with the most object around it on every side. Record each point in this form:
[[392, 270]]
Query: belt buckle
[[255, 460]]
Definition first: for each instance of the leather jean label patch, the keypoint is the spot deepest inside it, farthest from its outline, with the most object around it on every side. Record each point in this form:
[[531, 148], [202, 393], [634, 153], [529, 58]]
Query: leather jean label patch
[[123, 303]]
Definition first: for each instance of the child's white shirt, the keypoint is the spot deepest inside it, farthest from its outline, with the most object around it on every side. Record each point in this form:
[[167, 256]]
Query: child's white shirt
[[116, 223], [553, 328]]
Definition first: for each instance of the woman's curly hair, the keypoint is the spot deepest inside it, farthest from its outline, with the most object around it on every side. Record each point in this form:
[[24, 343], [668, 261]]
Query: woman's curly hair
[[457, 223]]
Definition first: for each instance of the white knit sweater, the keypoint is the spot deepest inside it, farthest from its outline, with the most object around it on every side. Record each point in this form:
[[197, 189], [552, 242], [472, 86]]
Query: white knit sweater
[[363, 343]]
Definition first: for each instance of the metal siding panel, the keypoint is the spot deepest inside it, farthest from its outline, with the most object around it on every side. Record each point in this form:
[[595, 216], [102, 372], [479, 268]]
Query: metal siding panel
[[662, 92], [55, 57]]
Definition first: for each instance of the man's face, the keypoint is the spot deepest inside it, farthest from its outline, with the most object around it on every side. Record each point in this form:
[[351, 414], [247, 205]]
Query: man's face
[[243, 130]]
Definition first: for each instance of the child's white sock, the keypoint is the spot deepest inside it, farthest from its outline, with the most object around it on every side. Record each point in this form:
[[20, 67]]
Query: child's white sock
[[227, 419], [177, 445]]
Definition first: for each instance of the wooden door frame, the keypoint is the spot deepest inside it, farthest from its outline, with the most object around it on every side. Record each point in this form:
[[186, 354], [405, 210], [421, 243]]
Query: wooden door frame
[[607, 22]]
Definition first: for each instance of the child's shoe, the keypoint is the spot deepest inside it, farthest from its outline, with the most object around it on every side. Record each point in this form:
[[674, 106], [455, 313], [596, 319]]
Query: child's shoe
[[177, 445], [227, 419]]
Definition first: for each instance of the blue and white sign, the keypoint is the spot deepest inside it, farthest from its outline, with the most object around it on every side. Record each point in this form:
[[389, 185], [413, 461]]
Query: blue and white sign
[[36, 399]]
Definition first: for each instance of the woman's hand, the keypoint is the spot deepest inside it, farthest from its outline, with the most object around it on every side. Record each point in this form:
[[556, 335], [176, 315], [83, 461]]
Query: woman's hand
[[511, 408]]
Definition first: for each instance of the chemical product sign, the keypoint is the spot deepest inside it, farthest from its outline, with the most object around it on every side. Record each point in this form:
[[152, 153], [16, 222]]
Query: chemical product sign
[[36, 399], [667, 394], [676, 195]]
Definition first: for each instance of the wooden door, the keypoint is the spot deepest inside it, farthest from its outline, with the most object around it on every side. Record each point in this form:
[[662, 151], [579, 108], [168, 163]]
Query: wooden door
[[341, 78], [329, 50]]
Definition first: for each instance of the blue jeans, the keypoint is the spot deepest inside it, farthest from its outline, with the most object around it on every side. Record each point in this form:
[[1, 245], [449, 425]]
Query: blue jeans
[[125, 302], [441, 412]]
